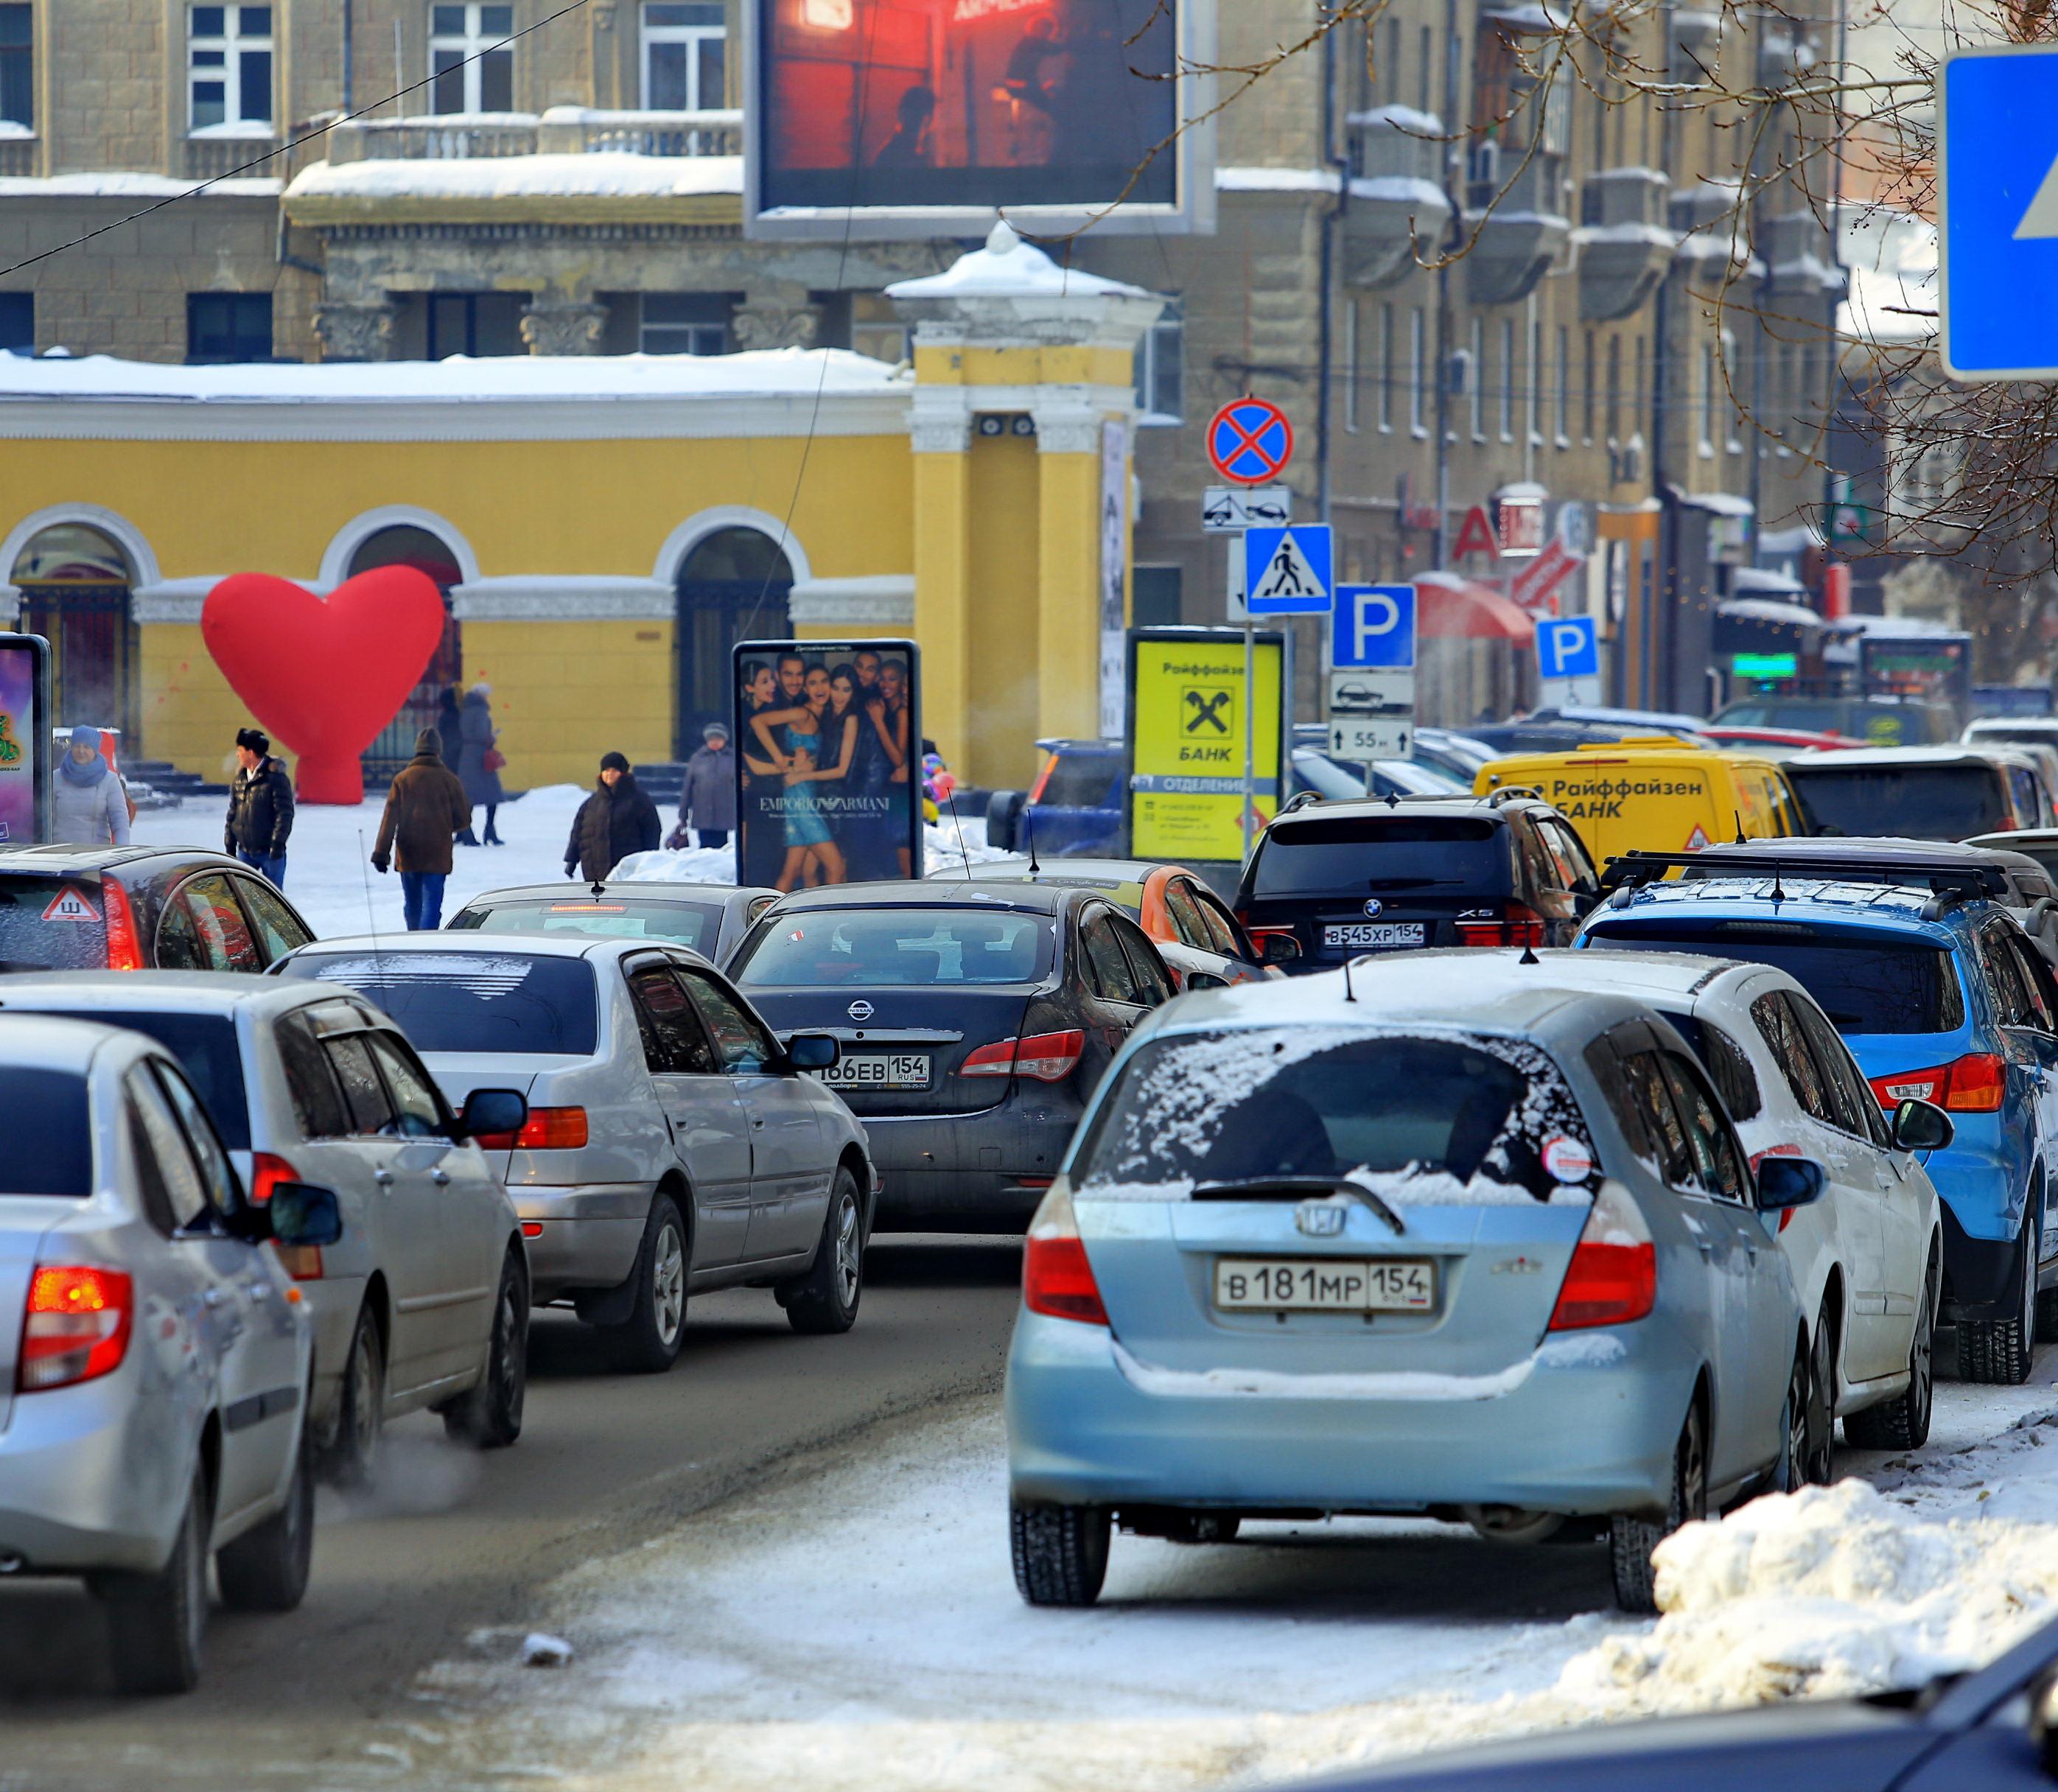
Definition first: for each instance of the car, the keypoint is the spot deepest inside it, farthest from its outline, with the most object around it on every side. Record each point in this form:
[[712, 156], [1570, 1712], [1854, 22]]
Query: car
[[1455, 755], [2011, 737], [1076, 801], [1772, 743], [1941, 998], [1531, 734], [670, 1146], [154, 1354], [1867, 1259], [2040, 844], [425, 1303], [140, 907], [1328, 881], [2012, 731], [1641, 722], [975, 1019], [1947, 793], [1447, 1236], [1203, 945], [706, 918], [1881, 721]]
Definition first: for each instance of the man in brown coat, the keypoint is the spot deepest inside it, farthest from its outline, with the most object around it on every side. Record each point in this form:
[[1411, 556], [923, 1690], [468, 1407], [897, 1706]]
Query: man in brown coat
[[425, 809]]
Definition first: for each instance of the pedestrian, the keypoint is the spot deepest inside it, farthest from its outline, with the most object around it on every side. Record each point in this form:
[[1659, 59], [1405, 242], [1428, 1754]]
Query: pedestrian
[[450, 726], [617, 819], [88, 805], [708, 802], [260, 807], [479, 761], [425, 809]]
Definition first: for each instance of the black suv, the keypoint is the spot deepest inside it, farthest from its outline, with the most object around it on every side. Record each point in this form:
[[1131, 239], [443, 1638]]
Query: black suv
[[1347, 878]]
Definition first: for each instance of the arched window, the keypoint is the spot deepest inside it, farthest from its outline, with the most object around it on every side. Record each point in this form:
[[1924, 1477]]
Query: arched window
[[74, 583], [733, 586], [403, 545]]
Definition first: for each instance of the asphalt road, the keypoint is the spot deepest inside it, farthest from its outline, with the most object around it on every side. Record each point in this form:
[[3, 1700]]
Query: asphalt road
[[454, 1541]]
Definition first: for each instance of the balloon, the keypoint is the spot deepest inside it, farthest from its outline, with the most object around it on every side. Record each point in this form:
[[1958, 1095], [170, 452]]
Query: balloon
[[323, 676]]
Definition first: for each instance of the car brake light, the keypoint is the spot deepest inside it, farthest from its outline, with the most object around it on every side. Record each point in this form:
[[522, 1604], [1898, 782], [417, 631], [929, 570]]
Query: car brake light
[[1046, 1057], [1613, 1276], [125, 950], [267, 1172], [547, 1129], [75, 1326], [1521, 926], [1975, 1083], [1057, 1278]]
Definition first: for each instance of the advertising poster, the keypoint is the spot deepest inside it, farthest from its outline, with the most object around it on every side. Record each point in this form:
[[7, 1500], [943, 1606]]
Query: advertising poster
[[828, 762], [1186, 707], [25, 752]]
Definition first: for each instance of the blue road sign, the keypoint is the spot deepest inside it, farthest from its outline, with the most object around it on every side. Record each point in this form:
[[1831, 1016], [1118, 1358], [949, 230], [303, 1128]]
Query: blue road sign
[[1250, 441], [1286, 572], [1375, 626], [1568, 647], [1997, 213]]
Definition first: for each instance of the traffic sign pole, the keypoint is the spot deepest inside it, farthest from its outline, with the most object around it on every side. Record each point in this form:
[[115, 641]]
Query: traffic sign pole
[[1250, 730]]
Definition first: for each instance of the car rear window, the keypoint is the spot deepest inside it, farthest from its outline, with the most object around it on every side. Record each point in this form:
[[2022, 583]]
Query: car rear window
[[1081, 781], [1427, 1119], [1912, 802], [51, 924], [206, 1047], [49, 1134], [492, 1002], [694, 925], [1347, 855], [828, 949], [1864, 983]]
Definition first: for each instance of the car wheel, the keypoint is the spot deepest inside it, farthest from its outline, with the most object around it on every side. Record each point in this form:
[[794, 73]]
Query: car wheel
[[1789, 1473], [155, 1621], [266, 1569], [1060, 1552], [1903, 1422], [1999, 1351], [825, 1299], [1819, 1466], [488, 1417], [1631, 1540], [352, 1458], [648, 1341]]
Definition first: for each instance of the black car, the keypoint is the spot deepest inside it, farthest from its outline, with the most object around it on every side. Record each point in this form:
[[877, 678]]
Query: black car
[[710, 918], [140, 908], [974, 1020], [1347, 878]]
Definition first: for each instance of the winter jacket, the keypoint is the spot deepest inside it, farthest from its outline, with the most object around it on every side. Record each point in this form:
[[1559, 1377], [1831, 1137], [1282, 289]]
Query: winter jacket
[[260, 810], [610, 825], [425, 808], [95, 814], [709, 799], [450, 725], [480, 785]]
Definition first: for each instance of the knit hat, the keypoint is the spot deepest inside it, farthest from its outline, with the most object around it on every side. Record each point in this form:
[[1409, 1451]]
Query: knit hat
[[614, 762], [430, 741], [258, 741], [715, 731], [85, 735]]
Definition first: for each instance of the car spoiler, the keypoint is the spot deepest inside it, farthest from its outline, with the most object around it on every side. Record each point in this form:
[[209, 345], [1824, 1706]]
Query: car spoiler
[[1946, 882]]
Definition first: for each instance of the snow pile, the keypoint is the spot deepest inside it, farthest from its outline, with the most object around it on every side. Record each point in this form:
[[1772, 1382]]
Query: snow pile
[[688, 864]]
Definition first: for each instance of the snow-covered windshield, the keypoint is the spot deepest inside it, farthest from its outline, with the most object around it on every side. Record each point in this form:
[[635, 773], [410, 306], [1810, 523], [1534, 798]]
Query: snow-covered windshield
[[1431, 1117]]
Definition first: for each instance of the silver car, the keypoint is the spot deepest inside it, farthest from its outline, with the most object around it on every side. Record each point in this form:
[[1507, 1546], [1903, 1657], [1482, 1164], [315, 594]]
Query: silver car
[[709, 919], [154, 1354], [426, 1302], [672, 1145]]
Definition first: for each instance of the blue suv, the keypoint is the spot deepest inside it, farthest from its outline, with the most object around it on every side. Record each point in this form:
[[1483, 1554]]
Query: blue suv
[[1942, 996]]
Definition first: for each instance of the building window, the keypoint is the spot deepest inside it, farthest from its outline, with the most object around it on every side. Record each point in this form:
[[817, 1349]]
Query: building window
[[1386, 370], [1734, 442], [1475, 378], [1614, 390], [1563, 406], [1508, 379], [1425, 70], [1353, 371], [685, 57], [1708, 386], [1533, 387], [479, 324], [686, 322], [1161, 367], [17, 68], [1587, 400], [226, 327], [18, 323], [229, 70], [469, 71], [1416, 394], [1636, 411]]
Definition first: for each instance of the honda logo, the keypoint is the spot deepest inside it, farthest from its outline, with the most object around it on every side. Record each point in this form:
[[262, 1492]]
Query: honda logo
[[860, 1010], [1319, 1219]]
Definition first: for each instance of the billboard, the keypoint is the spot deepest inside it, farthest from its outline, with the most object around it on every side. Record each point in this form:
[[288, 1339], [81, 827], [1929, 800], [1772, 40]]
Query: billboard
[[25, 738], [1187, 706], [828, 762], [923, 118]]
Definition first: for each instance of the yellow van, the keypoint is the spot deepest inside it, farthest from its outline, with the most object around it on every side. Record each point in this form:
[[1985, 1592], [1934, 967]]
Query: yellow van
[[1653, 792]]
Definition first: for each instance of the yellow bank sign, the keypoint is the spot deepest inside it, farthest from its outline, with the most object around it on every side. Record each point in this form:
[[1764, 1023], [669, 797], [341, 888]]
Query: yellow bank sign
[[1187, 708]]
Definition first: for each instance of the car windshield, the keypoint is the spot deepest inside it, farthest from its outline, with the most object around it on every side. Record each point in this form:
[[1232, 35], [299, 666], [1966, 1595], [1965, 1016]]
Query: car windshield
[[475, 1001], [51, 924], [208, 1051], [1912, 802], [693, 925], [54, 1155], [1427, 1119], [1347, 855], [828, 949]]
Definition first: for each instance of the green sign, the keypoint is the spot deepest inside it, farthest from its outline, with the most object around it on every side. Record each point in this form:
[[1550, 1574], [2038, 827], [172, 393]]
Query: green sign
[[1764, 665]]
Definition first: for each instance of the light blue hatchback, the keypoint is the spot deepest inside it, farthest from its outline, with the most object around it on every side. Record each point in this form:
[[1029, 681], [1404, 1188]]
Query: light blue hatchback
[[1461, 1242]]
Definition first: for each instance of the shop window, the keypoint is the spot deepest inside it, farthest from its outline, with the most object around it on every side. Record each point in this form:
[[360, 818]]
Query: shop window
[[223, 327], [686, 56], [228, 69], [687, 322], [17, 65], [1161, 367], [471, 65]]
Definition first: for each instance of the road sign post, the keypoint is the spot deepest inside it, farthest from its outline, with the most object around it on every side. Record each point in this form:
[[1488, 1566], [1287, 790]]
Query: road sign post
[[1371, 683], [1286, 572]]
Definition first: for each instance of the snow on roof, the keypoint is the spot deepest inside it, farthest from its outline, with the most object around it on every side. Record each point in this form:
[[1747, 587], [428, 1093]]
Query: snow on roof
[[603, 174], [1008, 267], [1401, 118], [121, 185], [1762, 579], [1769, 610], [1722, 503]]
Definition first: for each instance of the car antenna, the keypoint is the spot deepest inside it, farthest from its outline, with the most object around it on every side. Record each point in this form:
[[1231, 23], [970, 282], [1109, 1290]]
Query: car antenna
[[1350, 994], [964, 851], [1739, 822], [1028, 827], [1528, 954], [598, 889]]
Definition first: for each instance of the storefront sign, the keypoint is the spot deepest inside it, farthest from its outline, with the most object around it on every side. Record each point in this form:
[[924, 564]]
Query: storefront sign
[[1187, 707]]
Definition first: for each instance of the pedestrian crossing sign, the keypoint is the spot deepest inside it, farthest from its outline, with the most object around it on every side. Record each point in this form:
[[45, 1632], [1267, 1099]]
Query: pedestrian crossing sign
[[1287, 572], [70, 904]]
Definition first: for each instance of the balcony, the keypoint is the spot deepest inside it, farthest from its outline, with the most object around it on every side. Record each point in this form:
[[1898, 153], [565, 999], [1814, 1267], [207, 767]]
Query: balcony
[[1625, 245], [564, 130], [1396, 195], [1523, 228]]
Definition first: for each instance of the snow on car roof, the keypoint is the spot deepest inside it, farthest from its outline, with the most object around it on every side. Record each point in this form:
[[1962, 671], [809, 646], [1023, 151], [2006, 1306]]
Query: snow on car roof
[[1834, 758], [1880, 901]]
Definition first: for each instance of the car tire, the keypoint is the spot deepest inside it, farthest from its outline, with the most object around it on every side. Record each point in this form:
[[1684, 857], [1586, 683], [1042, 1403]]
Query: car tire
[[488, 1416], [1631, 1539], [351, 1460], [266, 1569], [1060, 1552], [825, 1301], [648, 1342], [1998, 1352], [1789, 1472], [155, 1621], [1820, 1467], [1902, 1423]]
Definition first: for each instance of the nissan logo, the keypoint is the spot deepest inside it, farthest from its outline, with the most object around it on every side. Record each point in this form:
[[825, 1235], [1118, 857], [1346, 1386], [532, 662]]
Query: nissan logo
[[1373, 905], [860, 1010]]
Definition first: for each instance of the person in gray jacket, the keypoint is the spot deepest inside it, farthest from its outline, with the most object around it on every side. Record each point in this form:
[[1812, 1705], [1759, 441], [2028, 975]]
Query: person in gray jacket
[[482, 781], [707, 802], [88, 805]]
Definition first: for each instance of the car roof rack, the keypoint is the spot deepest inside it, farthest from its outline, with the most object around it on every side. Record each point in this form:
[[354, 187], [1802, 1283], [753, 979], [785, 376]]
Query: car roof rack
[[1961, 883]]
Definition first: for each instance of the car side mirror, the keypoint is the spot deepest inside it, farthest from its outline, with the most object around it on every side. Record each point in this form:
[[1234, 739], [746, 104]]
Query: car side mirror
[[1279, 949], [302, 1214], [1784, 1182], [1204, 979], [492, 1113], [813, 1051], [1921, 1126]]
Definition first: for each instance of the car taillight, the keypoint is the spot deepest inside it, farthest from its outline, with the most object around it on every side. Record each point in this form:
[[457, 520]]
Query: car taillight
[[1520, 925], [1975, 1083], [1613, 1276], [547, 1129], [125, 950], [1057, 1279], [75, 1326], [267, 1172], [1046, 1057]]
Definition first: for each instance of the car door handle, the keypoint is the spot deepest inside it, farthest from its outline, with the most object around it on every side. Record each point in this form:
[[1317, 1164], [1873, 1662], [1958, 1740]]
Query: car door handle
[[214, 1297], [757, 1125], [383, 1178], [440, 1177], [1750, 1249], [1705, 1246], [258, 1290]]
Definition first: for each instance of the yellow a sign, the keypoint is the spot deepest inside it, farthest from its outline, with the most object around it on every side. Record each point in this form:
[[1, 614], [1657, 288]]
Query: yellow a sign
[[1187, 707]]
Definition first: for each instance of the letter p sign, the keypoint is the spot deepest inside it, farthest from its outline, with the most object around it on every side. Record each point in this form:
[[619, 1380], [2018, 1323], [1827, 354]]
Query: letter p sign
[[1375, 627], [1568, 648]]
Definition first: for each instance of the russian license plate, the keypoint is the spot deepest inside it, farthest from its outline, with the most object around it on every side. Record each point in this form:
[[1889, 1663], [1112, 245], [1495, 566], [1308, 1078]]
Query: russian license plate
[[878, 1070], [1374, 935], [1331, 1285]]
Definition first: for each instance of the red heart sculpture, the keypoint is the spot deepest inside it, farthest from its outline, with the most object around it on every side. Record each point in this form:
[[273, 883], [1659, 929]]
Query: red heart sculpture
[[324, 675]]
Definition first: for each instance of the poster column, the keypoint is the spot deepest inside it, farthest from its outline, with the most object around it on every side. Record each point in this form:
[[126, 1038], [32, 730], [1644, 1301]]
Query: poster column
[[1188, 723], [24, 739]]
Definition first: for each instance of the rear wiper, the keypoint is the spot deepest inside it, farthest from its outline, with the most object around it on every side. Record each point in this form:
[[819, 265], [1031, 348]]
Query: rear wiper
[[1302, 1188]]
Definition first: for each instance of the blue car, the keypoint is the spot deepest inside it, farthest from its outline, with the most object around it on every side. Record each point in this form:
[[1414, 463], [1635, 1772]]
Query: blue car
[[1941, 997]]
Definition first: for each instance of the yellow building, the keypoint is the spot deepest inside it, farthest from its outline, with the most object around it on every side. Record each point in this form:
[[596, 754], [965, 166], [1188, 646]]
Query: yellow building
[[604, 529]]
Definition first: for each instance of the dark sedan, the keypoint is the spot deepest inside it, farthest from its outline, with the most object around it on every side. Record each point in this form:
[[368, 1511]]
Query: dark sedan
[[974, 1020], [709, 919]]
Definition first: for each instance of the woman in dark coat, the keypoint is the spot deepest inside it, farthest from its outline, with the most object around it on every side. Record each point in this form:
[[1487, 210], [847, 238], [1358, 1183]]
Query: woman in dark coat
[[617, 819], [481, 783]]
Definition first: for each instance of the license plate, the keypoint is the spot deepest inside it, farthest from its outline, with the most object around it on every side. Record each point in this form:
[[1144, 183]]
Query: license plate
[[1331, 1285], [1373, 935], [878, 1070]]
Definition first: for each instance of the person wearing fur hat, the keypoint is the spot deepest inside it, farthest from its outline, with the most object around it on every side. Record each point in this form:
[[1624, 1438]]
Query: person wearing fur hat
[[617, 819], [426, 810]]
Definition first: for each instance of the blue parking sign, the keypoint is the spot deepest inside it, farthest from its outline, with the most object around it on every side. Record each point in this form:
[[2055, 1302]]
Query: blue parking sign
[[1375, 626], [1567, 647]]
